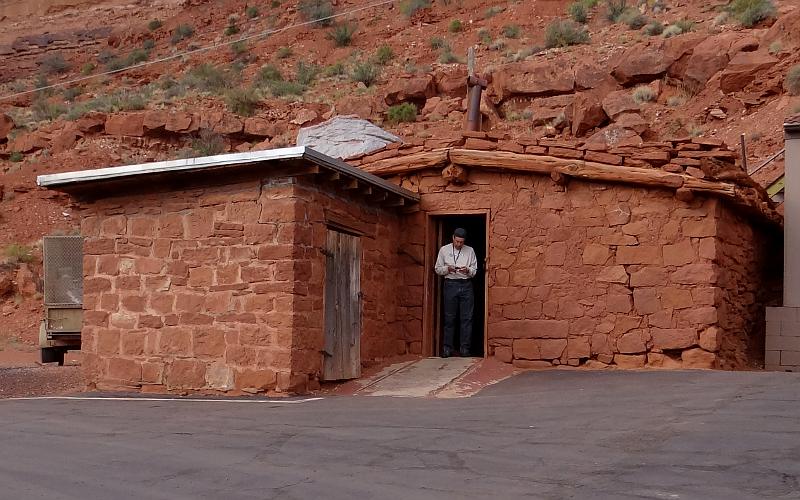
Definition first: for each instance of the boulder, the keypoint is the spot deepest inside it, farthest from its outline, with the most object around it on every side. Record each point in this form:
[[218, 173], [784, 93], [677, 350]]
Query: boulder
[[304, 116], [547, 109], [786, 30], [587, 113], [742, 70], [709, 57], [640, 65], [416, 89], [591, 77], [698, 358], [27, 143], [181, 122], [452, 81], [259, 127], [345, 137], [155, 119], [613, 136], [532, 78], [633, 121], [92, 122], [129, 124], [65, 140], [221, 122], [352, 105], [678, 49], [6, 125], [6, 285], [621, 101]]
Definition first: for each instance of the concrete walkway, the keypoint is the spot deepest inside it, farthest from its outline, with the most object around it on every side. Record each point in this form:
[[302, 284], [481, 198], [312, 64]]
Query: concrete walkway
[[420, 378]]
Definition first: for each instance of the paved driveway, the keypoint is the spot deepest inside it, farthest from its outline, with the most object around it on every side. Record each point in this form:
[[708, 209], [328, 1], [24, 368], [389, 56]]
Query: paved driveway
[[555, 434]]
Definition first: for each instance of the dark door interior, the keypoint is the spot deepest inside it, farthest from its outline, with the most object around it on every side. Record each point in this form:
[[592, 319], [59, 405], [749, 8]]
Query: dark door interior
[[476, 238]]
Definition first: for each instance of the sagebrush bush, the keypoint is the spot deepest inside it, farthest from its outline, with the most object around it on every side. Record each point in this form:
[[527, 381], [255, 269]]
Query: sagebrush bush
[[283, 52], [615, 9], [87, 68], [342, 34], [751, 12], [438, 42], [15, 157], [16, 253], [792, 82], [239, 48], [335, 69], [493, 11], [280, 88], [54, 64], [366, 73], [563, 33], [44, 110], [455, 26], [384, 54], [577, 11], [209, 78], [154, 24], [242, 101], [448, 57], [71, 93], [399, 113], [149, 44], [268, 74], [251, 12], [654, 28], [306, 73], [410, 7], [511, 31], [775, 48], [208, 143], [182, 32], [317, 10], [634, 19], [644, 94]]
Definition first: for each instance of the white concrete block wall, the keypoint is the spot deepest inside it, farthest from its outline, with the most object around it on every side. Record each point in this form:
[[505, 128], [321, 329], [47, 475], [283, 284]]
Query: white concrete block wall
[[782, 342]]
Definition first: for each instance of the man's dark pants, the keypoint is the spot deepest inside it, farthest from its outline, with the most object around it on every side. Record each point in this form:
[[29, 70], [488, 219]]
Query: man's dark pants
[[459, 301]]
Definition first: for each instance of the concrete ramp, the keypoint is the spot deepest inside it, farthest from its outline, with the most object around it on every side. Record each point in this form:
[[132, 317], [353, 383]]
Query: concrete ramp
[[421, 378]]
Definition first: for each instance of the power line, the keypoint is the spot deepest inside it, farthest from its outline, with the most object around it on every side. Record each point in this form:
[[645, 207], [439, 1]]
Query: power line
[[198, 50]]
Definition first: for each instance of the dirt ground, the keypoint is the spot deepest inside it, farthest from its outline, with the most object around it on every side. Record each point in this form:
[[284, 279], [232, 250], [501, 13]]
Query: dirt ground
[[21, 374]]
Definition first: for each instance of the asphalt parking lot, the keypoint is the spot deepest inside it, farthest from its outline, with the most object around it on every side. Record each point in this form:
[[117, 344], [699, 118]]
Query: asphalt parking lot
[[549, 434]]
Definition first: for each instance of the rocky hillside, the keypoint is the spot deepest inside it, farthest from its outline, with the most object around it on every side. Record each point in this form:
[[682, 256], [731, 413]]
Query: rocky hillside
[[601, 72]]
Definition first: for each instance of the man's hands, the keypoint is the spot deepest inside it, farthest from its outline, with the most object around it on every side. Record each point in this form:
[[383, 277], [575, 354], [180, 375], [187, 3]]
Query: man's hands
[[462, 270]]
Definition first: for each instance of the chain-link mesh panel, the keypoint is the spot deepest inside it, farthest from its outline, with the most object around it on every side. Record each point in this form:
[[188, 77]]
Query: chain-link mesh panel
[[63, 270]]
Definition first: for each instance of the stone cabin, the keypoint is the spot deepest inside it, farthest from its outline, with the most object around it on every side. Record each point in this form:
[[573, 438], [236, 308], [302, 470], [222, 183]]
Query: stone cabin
[[276, 270]]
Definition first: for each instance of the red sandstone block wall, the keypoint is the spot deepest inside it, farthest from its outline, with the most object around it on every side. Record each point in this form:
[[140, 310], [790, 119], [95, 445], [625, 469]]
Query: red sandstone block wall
[[381, 335], [194, 289], [609, 273]]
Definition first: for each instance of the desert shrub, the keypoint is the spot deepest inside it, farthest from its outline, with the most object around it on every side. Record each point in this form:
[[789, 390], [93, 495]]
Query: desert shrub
[[792, 82], [671, 31], [383, 55], [438, 42], [484, 36], [154, 24], [182, 32], [16, 253], [615, 9], [209, 78], [135, 57], [405, 112], [654, 28], [493, 11], [684, 24], [44, 110], [342, 34], [455, 26], [239, 48], [563, 33], [775, 48], [316, 10], [634, 19], [242, 101], [71, 93], [366, 73], [280, 88], [208, 143], [54, 63], [644, 94], [251, 12], [268, 74], [149, 44], [590, 4], [336, 69], [721, 18], [231, 29], [676, 100], [410, 7], [448, 57], [577, 11], [306, 73], [87, 68], [15, 157], [751, 12], [524, 53], [511, 31], [283, 52]]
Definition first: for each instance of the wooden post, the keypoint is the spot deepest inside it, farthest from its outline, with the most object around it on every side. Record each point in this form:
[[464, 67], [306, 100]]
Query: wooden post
[[744, 153]]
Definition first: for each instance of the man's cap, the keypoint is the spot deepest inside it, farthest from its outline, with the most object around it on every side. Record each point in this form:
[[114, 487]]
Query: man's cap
[[460, 233]]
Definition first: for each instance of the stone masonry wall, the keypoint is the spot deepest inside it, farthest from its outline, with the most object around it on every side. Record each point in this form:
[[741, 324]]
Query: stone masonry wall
[[193, 290], [603, 272], [380, 274]]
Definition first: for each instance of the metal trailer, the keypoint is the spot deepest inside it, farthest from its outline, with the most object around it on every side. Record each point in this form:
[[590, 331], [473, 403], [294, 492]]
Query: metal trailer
[[60, 330]]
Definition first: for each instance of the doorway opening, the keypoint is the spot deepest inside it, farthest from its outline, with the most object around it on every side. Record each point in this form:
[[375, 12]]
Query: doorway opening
[[442, 227]]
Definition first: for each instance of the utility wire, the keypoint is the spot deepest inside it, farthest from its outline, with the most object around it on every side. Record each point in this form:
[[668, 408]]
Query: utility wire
[[198, 50]]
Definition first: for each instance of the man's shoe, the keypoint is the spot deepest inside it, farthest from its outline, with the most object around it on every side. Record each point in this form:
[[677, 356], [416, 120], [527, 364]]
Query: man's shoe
[[465, 353], [446, 353]]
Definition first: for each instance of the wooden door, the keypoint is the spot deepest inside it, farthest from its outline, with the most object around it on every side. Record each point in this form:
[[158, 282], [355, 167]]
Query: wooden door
[[342, 307]]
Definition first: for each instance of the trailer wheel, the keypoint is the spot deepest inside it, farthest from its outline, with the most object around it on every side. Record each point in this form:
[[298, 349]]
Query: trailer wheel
[[53, 355]]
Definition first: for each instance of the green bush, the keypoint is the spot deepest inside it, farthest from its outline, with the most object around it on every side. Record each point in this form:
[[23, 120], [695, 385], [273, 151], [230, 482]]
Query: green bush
[[366, 73], [242, 101], [16, 253], [15, 157], [775, 48], [280, 88], [120, 63], [751, 12], [615, 9], [654, 28], [209, 78], [438, 42], [493, 11], [268, 74], [231, 30], [154, 24], [447, 57], [684, 24], [283, 52], [208, 143], [342, 34], [484, 36], [149, 44], [182, 32], [383, 55], [455, 26], [511, 31], [563, 33], [87, 68], [634, 19], [410, 7], [792, 82], [318, 11], [644, 94], [251, 12], [44, 110], [336, 69], [239, 48], [54, 63], [71, 93], [405, 112], [306, 73], [577, 11]]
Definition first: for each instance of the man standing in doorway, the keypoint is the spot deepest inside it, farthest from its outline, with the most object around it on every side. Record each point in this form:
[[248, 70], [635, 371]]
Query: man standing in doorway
[[457, 264]]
